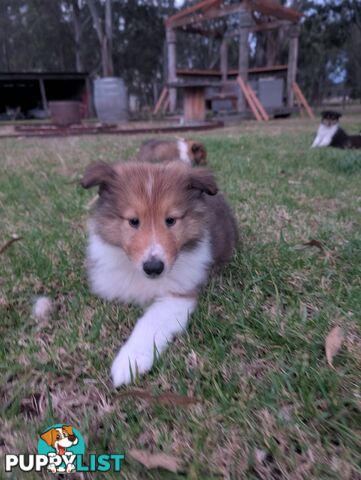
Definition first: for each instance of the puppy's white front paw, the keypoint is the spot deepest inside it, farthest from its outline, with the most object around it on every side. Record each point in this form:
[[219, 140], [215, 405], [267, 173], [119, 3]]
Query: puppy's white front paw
[[129, 362]]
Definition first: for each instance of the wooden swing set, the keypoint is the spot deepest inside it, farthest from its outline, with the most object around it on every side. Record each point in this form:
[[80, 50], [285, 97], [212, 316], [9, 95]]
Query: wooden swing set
[[254, 16]]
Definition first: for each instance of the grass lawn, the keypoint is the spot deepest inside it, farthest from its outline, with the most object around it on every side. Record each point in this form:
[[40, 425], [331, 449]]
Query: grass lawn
[[270, 407]]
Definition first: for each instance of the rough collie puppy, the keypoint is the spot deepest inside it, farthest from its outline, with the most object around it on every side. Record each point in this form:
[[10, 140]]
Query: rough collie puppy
[[154, 235], [188, 151], [330, 134]]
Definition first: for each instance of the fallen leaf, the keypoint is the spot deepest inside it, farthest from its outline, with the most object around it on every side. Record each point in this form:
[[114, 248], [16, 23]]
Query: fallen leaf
[[333, 344], [161, 399], [156, 460], [14, 238], [314, 243]]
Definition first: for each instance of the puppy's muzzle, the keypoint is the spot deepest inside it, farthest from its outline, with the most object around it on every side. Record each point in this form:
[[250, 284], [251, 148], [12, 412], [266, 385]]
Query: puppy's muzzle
[[153, 267]]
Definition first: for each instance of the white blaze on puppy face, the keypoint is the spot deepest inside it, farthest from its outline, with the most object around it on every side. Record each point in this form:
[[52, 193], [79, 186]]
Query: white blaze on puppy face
[[183, 151], [155, 250]]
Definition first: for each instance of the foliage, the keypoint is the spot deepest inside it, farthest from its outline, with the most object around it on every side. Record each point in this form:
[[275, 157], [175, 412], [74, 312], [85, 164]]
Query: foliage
[[38, 35], [330, 35]]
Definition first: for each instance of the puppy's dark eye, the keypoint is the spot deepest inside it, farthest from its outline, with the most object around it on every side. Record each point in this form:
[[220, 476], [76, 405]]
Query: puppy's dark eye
[[170, 221], [134, 222]]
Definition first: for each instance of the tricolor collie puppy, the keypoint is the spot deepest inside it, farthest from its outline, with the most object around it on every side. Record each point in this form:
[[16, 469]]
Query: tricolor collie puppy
[[155, 233], [330, 134], [188, 151]]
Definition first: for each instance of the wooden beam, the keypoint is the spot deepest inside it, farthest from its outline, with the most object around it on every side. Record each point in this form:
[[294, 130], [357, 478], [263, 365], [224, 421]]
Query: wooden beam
[[243, 55], [194, 105], [202, 31], [261, 27], [249, 99], [272, 8], [217, 73], [258, 104], [292, 64], [187, 11], [302, 100], [44, 101], [217, 12], [161, 101]]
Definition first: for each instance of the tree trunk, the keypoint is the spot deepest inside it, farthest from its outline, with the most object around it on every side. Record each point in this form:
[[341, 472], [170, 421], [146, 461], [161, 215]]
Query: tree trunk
[[104, 35], [77, 36], [109, 36]]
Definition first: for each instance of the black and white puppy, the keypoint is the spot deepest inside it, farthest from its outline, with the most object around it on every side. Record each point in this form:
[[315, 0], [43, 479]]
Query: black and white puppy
[[330, 134]]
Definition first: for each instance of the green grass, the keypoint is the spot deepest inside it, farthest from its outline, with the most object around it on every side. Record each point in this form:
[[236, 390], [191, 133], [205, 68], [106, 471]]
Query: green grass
[[271, 407]]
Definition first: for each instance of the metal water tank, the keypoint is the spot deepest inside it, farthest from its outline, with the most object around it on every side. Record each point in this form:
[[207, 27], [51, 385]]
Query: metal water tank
[[110, 99]]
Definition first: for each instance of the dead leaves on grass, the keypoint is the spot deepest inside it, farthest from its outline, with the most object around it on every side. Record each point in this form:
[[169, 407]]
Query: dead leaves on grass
[[328, 255], [333, 344], [156, 460]]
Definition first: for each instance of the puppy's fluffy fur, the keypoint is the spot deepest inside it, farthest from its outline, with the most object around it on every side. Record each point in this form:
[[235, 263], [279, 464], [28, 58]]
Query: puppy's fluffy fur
[[330, 134], [188, 151], [156, 231]]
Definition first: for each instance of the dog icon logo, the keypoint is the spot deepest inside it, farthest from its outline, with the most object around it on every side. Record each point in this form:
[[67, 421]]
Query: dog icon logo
[[61, 443]]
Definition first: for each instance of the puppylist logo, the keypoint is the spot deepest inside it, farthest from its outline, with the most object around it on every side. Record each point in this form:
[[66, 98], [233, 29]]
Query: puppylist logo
[[61, 449]]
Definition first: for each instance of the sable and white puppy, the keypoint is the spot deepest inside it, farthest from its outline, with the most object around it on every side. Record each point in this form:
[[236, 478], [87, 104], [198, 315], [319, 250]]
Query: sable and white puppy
[[330, 134], [156, 231], [188, 151]]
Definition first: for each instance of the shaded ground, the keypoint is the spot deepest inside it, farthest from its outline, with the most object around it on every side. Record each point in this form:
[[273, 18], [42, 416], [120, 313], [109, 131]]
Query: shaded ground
[[270, 407]]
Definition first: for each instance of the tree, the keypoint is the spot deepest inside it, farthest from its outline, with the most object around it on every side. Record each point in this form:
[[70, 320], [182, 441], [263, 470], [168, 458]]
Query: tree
[[104, 31]]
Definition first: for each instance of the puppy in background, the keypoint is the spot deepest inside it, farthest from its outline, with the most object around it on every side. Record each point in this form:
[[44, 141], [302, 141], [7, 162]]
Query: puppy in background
[[330, 134], [188, 151], [155, 234]]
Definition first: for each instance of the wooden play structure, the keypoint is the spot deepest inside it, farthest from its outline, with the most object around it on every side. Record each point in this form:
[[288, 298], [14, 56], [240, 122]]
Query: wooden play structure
[[235, 86]]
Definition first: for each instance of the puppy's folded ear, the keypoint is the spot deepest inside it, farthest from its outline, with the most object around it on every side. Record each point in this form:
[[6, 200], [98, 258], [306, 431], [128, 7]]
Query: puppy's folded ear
[[49, 436], [101, 174], [203, 180], [68, 429]]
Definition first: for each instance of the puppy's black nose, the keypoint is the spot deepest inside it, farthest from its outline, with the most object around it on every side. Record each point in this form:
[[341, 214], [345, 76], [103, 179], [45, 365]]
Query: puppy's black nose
[[153, 267]]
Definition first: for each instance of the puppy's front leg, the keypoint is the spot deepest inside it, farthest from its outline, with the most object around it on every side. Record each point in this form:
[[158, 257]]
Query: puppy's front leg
[[317, 141], [164, 319]]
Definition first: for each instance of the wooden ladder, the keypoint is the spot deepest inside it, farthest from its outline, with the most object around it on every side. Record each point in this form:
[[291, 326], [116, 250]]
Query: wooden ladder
[[163, 102], [301, 100], [255, 105]]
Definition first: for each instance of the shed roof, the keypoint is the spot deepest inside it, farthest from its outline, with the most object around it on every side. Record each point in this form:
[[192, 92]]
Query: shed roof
[[43, 75]]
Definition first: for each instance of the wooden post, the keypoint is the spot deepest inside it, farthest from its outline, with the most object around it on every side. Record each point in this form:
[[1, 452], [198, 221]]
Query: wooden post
[[294, 32], [224, 59], [243, 59], [172, 74], [194, 105], [44, 101]]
